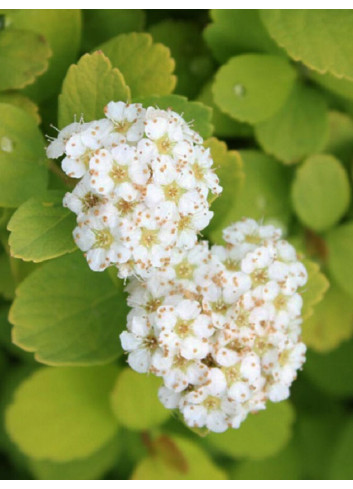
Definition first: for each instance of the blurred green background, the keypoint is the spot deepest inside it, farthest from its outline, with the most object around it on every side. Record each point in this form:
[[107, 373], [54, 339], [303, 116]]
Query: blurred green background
[[277, 86]]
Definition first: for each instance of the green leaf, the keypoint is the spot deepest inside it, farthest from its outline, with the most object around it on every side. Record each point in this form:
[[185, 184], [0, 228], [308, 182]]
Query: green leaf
[[195, 112], [19, 100], [147, 67], [316, 438], [321, 40], [180, 460], [341, 467], [42, 228], [22, 158], [253, 87], [261, 435], [23, 56], [264, 196], [135, 401], [298, 129], [320, 192], [62, 414], [315, 288], [88, 87], [340, 137], [285, 465], [101, 24], [62, 30], [224, 126], [237, 31], [93, 467], [338, 86], [229, 167], [332, 372], [7, 284], [340, 255], [193, 62], [332, 322], [68, 315]]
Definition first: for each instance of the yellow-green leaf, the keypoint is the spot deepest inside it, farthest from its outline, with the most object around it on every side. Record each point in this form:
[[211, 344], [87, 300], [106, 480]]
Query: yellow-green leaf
[[332, 322], [135, 401], [23, 172], [68, 315], [62, 30], [42, 228], [298, 129], [253, 87], [229, 169], [146, 66], [62, 414], [315, 288], [88, 87], [321, 192], [196, 464], [321, 39], [261, 435], [23, 56], [340, 255]]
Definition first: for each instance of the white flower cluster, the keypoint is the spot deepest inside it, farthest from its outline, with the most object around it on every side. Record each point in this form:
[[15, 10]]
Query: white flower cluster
[[221, 326], [145, 179]]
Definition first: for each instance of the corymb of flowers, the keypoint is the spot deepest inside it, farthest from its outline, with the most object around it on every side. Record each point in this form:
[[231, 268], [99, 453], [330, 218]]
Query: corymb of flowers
[[220, 325], [145, 180]]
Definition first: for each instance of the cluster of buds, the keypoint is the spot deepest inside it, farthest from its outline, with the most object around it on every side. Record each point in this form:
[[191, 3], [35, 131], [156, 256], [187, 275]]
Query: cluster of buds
[[221, 325], [145, 179]]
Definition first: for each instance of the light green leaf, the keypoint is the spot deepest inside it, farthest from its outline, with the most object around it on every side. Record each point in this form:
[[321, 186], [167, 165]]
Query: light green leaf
[[195, 112], [332, 322], [146, 66], [69, 315], [135, 401], [285, 465], [224, 126], [253, 87], [101, 24], [88, 87], [341, 467], [298, 129], [264, 196], [321, 192], [229, 169], [315, 288], [22, 158], [340, 137], [237, 31], [63, 414], [193, 61], [62, 30], [93, 467], [322, 39], [177, 459], [23, 56], [42, 228], [340, 255], [19, 100], [332, 372], [261, 435]]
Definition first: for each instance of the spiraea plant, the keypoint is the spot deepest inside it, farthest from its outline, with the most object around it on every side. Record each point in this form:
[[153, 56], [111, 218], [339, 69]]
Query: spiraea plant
[[176, 241]]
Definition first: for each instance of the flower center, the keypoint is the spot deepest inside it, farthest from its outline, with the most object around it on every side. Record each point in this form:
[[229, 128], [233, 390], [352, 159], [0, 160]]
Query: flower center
[[149, 237], [118, 174], [173, 192], [103, 239]]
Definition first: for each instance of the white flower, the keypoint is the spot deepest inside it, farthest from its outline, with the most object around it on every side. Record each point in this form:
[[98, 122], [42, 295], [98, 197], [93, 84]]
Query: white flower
[[148, 174]]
